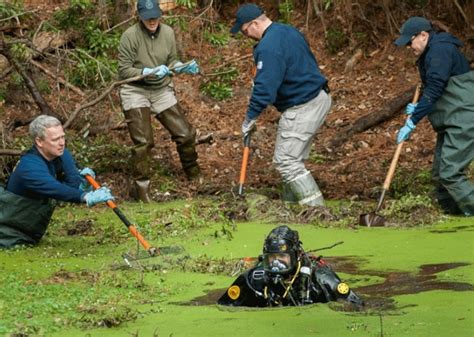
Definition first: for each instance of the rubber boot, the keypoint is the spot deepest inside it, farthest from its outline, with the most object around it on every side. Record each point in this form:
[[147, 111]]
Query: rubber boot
[[306, 191], [446, 202], [184, 135], [287, 195], [139, 127], [142, 188]]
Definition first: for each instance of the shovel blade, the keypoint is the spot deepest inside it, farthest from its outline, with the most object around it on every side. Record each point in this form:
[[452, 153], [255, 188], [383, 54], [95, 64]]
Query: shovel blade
[[371, 220]]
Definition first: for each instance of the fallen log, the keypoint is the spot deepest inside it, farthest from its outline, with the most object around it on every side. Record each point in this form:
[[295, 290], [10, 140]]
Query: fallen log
[[374, 118]]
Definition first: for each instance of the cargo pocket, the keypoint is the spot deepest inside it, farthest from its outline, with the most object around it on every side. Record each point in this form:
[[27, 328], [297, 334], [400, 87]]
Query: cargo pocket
[[291, 146], [287, 120]]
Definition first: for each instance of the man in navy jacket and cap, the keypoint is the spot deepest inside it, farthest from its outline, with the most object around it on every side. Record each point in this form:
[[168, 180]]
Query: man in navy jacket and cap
[[287, 77], [448, 101]]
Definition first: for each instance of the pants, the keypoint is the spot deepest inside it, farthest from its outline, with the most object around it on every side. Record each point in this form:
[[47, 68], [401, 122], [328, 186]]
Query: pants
[[453, 120], [141, 103], [296, 129], [23, 220]]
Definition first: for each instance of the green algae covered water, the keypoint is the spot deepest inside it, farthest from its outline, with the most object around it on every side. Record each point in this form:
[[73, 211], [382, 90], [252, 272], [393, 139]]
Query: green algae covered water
[[415, 281]]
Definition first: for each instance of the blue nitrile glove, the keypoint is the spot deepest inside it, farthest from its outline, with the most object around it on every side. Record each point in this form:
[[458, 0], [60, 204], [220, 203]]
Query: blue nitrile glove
[[248, 125], [100, 195], [405, 131], [160, 71], [191, 68], [85, 186], [410, 109]]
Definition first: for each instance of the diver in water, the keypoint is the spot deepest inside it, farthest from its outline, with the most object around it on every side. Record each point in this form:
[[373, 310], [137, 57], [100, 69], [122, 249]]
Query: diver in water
[[287, 276]]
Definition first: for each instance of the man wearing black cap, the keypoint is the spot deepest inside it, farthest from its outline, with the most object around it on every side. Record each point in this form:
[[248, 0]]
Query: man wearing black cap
[[287, 77], [149, 47], [448, 100]]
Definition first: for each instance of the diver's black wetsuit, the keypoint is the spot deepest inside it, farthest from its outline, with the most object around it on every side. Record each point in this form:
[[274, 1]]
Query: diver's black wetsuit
[[314, 281]]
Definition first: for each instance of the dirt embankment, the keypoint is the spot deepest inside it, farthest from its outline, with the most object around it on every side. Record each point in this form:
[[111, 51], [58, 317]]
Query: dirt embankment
[[355, 169]]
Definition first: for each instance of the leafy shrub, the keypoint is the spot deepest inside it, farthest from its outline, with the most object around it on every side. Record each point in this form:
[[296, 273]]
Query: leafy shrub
[[285, 8], [406, 182], [43, 86], [216, 39], [408, 202], [91, 71], [186, 3], [20, 52], [98, 42], [100, 154], [317, 158], [73, 16], [411, 210], [176, 20], [9, 9], [95, 49], [335, 40], [217, 90], [220, 88]]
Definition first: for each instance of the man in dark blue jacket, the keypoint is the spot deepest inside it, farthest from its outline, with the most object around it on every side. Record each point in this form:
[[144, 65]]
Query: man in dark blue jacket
[[448, 101], [47, 172], [287, 77]]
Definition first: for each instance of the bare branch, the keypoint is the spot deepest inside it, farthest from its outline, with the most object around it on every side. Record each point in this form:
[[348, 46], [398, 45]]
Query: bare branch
[[119, 24], [6, 72], [29, 82], [456, 2], [74, 114], [204, 11], [10, 152], [59, 79], [18, 14]]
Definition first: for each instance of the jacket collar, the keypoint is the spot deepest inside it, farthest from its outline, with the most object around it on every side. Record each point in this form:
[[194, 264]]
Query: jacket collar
[[147, 32]]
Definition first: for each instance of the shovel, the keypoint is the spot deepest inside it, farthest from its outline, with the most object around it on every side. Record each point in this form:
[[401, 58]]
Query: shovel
[[245, 159], [152, 251], [374, 219]]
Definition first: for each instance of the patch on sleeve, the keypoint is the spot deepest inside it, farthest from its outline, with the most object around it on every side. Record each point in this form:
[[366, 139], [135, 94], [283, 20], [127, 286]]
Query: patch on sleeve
[[260, 65]]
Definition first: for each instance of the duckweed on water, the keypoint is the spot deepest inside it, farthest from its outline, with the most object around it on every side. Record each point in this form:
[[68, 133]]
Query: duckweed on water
[[70, 285]]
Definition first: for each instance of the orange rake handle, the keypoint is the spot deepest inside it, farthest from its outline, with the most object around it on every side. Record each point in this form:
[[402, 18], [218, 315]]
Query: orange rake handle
[[245, 160], [131, 227]]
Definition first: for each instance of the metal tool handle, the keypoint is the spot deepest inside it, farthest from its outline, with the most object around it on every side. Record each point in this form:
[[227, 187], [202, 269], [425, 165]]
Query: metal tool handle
[[131, 227]]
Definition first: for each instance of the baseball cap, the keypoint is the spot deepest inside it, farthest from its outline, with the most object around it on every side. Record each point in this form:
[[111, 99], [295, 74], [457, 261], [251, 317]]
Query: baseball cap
[[411, 27], [245, 13], [148, 9]]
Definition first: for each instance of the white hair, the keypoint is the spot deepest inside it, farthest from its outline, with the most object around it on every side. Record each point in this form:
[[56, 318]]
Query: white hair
[[39, 125]]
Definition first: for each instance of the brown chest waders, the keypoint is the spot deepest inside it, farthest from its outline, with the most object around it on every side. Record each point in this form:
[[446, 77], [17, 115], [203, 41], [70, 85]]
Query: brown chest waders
[[139, 125], [184, 135]]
